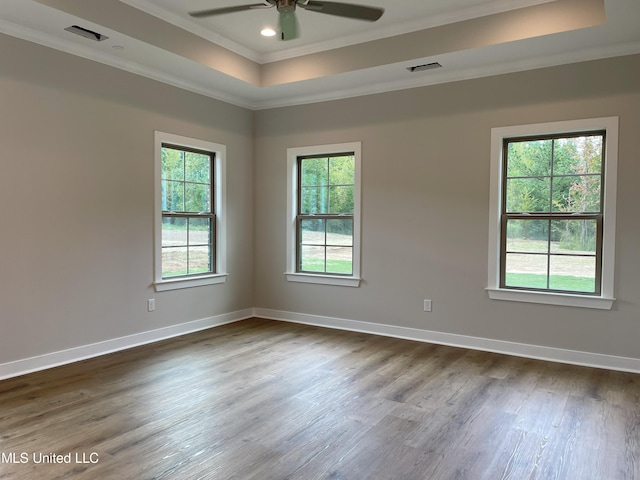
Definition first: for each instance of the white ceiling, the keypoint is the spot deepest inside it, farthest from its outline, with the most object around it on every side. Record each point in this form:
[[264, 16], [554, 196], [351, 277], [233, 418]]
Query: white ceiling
[[227, 59]]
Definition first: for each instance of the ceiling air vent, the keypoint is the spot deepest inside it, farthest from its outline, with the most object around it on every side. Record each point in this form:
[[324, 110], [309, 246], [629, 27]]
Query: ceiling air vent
[[426, 66], [85, 32]]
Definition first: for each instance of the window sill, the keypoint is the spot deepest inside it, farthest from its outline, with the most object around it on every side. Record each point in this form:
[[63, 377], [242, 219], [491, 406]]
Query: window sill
[[563, 299], [177, 283], [323, 279]]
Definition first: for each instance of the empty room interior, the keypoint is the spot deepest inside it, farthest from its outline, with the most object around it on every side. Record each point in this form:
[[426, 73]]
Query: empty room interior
[[392, 240]]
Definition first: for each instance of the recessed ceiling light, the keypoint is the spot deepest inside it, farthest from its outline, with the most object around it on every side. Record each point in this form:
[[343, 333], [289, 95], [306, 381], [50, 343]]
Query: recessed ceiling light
[[268, 32]]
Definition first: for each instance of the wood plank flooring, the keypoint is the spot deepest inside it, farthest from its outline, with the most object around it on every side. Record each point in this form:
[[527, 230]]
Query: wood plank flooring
[[260, 400]]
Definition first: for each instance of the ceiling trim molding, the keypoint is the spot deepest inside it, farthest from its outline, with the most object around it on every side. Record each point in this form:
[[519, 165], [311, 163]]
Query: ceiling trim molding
[[65, 46], [508, 28], [496, 7], [460, 75], [155, 32], [193, 27], [439, 77], [493, 8]]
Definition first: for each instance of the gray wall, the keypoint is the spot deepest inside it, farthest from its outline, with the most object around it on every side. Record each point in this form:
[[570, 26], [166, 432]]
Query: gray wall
[[76, 201], [425, 182]]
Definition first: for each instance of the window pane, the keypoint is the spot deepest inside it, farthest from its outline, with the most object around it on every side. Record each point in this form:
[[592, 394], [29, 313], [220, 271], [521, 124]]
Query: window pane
[[174, 232], [199, 231], [574, 236], [188, 224], [342, 170], [528, 195], [312, 258], [529, 271], [312, 232], [341, 200], [172, 196], [174, 261], [578, 156], [340, 232], [315, 171], [200, 259], [577, 194], [197, 167], [528, 236], [314, 200], [340, 260], [172, 164], [530, 158], [197, 198], [552, 234], [576, 274]]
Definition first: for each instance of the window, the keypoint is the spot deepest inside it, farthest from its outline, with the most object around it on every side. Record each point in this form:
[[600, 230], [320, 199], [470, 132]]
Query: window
[[323, 230], [190, 226], [553, 205]]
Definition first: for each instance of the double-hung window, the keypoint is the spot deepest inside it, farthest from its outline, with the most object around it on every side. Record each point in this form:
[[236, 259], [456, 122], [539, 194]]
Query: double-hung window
[[554, 213], [324, 215], [189, 218]]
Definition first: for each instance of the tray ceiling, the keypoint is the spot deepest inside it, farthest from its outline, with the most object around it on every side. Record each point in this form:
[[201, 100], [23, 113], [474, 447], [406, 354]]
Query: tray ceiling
[[225, 57]]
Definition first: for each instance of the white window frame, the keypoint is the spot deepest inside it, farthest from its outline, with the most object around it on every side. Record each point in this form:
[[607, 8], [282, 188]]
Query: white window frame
[[606, 298], [292, 209], [219, 187]]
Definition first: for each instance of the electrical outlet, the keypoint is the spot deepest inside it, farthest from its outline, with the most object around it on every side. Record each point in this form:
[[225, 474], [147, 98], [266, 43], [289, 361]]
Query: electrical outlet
[[151, 305], [427, 305]]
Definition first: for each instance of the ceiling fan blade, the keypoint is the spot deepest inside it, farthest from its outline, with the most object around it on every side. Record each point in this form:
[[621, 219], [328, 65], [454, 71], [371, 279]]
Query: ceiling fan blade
[[222, 11], [288, 24], [348, 10]]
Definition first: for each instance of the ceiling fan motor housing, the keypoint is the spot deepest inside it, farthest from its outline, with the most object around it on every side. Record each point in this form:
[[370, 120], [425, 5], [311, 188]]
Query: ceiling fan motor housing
[[286, 6]]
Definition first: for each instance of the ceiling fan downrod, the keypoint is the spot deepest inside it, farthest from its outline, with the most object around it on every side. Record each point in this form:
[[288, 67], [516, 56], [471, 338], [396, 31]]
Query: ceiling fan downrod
[[288, 22]]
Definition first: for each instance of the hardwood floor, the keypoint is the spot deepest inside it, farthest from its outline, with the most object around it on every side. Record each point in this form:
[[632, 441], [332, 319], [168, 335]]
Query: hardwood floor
[[268, 400]]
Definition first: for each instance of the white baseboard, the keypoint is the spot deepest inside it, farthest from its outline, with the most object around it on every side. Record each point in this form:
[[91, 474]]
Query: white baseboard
[[538, 352], [50, 360]]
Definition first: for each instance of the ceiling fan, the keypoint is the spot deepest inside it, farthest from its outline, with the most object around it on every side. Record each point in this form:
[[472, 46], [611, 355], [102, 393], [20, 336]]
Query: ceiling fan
[[287, 10]]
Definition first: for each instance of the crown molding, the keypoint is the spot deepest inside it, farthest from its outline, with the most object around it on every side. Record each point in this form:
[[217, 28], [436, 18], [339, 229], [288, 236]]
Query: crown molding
[[66, 46], [469, 13], [442, 76], [434, 78], [193, 27], [493, 8]]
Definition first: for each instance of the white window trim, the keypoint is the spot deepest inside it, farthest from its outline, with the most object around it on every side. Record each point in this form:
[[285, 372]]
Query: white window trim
[[219, 165], [606, 298], [292, 210]]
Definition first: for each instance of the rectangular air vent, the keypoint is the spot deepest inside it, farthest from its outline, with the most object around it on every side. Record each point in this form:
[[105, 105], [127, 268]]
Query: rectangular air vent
[[85, 32], [426, 66]]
